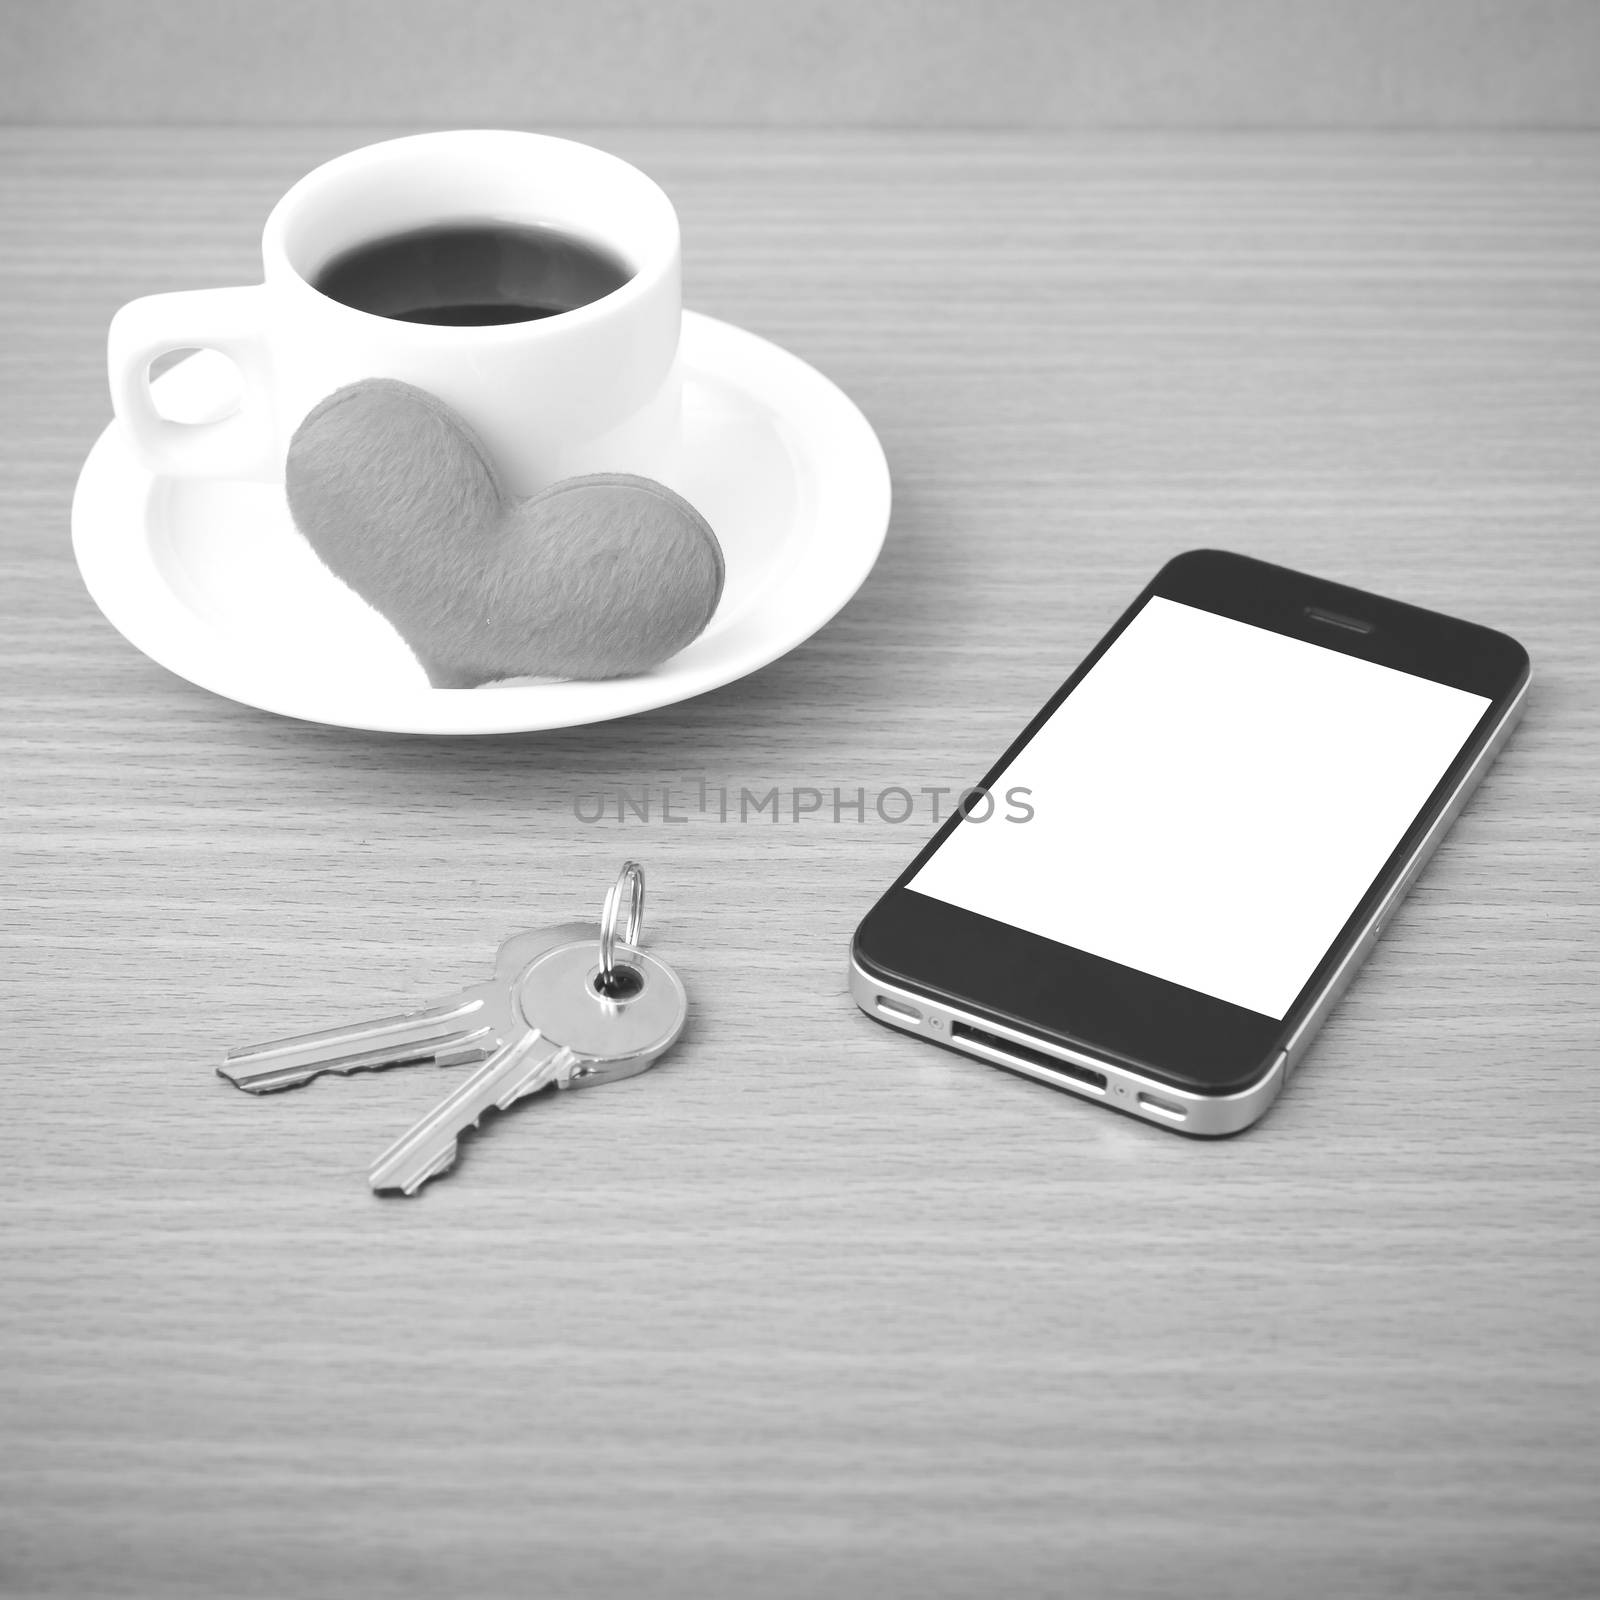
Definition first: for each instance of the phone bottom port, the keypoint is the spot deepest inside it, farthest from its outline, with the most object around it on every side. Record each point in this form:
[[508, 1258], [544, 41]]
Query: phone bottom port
[[1019, 1053], [1163, 1108]]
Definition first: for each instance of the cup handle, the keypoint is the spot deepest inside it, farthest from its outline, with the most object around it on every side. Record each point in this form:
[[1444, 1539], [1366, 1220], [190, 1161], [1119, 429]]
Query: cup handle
[[232, 321]]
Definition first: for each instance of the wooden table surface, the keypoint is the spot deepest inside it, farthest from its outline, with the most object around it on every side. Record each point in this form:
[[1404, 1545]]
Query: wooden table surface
[[813, 1309]]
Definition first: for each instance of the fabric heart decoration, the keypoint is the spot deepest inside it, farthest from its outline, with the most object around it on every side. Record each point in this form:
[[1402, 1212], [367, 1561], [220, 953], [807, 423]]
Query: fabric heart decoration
[[595, 577]]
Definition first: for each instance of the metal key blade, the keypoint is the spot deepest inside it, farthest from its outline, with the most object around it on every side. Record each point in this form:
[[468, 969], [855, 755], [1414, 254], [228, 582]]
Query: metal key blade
[[450, 1035], [520, 1068], [468, 1028]]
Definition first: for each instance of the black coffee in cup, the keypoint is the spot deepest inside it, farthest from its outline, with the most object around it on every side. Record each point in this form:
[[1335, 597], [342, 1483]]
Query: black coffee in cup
[[473, 274]]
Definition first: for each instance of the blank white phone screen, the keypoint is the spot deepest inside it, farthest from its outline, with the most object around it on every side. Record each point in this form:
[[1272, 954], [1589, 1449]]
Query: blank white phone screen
[[1210, 804]]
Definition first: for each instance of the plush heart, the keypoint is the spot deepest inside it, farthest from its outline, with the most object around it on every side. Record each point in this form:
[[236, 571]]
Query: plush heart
[[597, 577]]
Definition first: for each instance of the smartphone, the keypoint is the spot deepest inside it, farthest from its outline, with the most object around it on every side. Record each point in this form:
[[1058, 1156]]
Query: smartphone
[[1159, 892]]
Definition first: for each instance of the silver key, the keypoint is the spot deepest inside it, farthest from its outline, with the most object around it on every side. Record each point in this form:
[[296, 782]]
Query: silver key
[[466, 1029], [574, 1033]]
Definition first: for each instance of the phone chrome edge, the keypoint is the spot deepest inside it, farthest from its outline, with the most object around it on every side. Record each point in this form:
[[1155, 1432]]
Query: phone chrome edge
[[1181, 1110], [1202, 1116], [1341, 977]]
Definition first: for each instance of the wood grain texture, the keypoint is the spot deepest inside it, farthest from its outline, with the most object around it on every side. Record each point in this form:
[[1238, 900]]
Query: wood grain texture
[[806, 63], [810, 1309]]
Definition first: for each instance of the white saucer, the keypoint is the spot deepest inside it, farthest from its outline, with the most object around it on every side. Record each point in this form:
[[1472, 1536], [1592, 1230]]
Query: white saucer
[[211, 579]]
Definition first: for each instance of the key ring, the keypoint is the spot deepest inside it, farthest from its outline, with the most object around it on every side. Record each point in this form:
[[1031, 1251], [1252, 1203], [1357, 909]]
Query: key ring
[[632, 875]]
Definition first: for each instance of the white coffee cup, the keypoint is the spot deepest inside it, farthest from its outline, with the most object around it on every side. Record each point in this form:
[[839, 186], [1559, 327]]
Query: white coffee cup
[[593, 389]]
